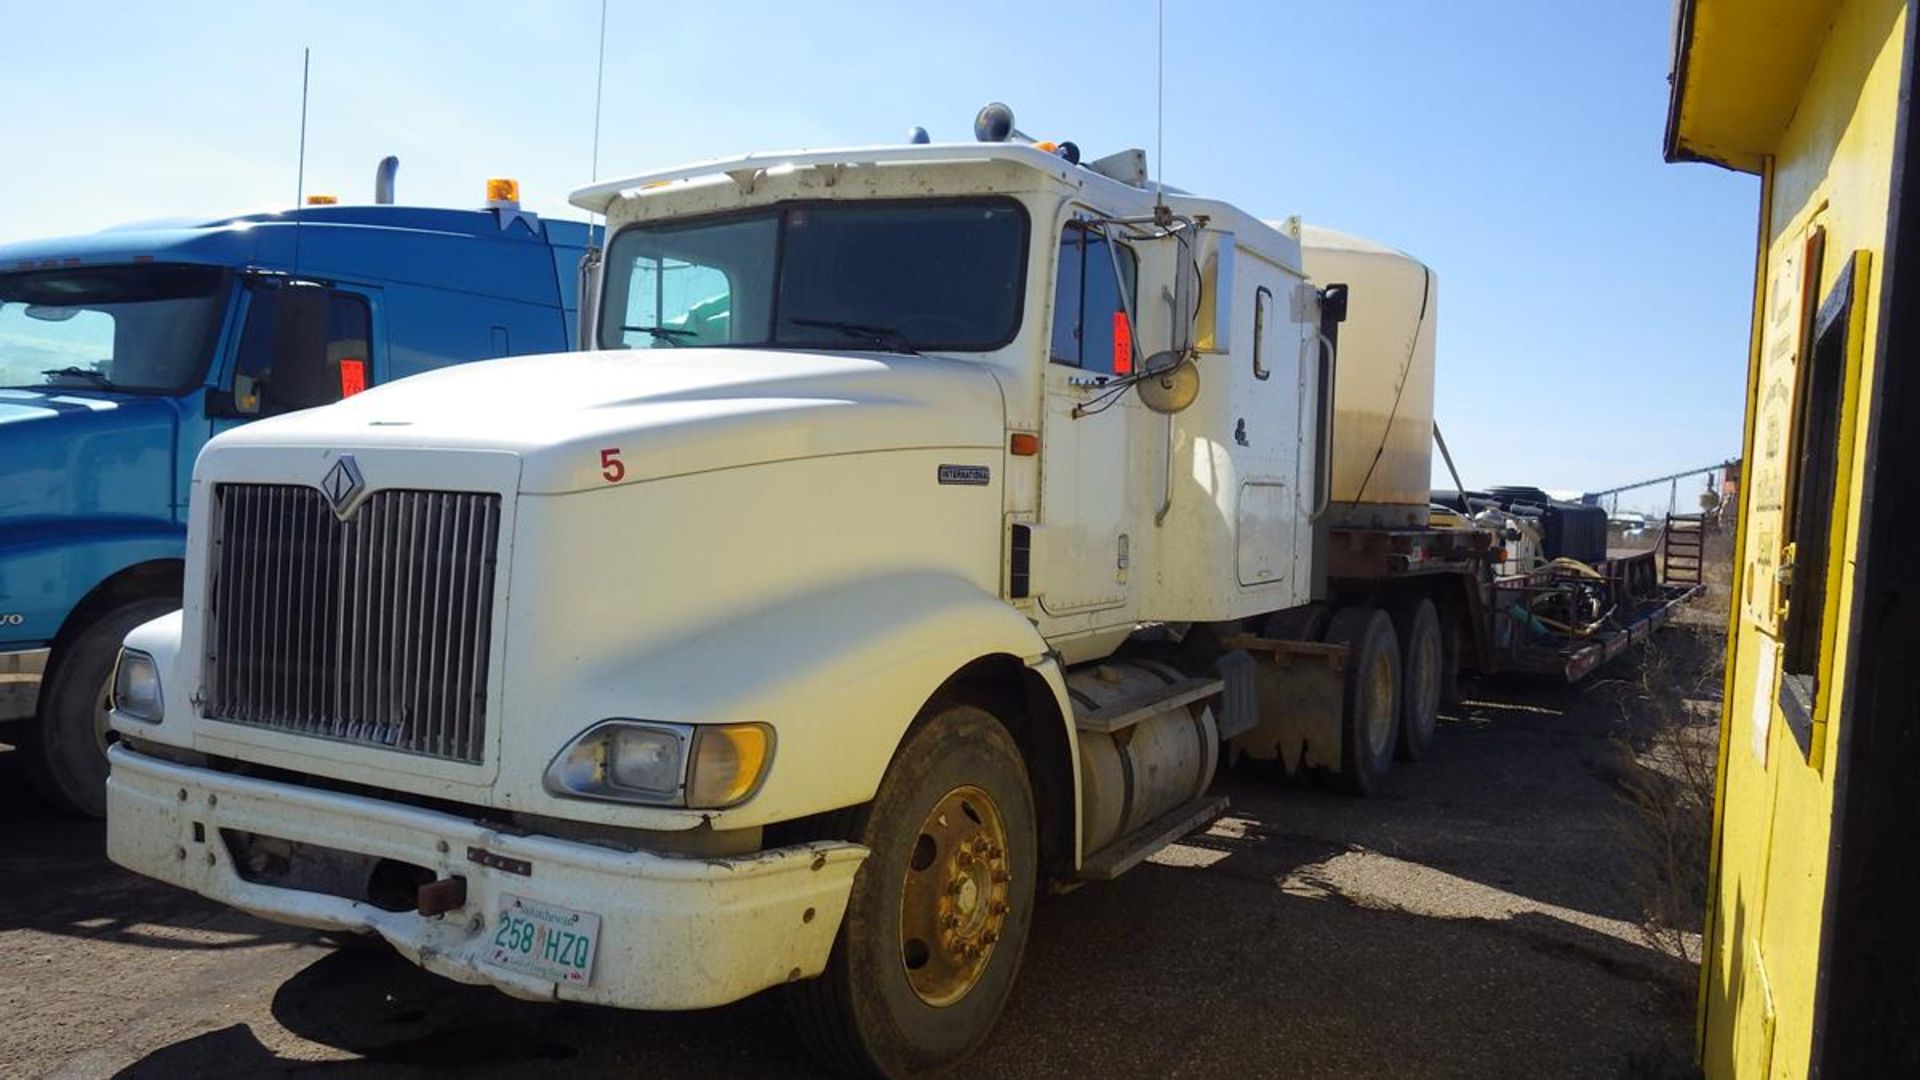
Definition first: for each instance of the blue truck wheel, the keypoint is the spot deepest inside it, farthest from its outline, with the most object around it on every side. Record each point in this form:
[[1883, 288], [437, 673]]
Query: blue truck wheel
[[66, 751]]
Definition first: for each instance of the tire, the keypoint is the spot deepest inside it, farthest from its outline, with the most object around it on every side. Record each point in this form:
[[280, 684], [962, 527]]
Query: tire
[[891, 1002], [1422, 655], [66, 751], [1371, 724]]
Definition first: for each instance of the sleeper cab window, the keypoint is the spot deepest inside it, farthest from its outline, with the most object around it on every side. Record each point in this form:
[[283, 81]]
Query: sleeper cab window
[[260, 389], [1262, 316], [1090, 328]]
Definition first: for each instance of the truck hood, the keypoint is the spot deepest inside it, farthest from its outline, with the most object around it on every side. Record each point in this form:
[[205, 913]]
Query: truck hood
[[663, 412], [68, 453]]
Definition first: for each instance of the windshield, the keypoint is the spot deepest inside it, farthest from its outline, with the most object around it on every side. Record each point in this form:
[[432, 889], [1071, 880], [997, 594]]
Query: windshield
[[883, 275], [142, 328]]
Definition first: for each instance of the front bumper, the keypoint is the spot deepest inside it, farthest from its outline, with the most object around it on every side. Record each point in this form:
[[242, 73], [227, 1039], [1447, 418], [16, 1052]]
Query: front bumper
[[20, 675], [675, 933]]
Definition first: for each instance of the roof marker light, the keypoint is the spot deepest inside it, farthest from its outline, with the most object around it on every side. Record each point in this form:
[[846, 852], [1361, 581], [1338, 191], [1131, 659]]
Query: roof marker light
[[502, 191], [323, 200]]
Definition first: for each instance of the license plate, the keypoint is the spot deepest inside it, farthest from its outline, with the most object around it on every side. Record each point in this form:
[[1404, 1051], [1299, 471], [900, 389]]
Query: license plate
[[546, 940]]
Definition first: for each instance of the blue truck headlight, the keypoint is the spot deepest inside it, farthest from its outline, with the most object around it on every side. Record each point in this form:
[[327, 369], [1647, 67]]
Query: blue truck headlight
[[136, 687], [704, 766]]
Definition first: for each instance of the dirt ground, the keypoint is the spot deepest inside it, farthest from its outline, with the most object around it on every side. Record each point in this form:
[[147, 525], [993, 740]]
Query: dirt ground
[[1487, 917]]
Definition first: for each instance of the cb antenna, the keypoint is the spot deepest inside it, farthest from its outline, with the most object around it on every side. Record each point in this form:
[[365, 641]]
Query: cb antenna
[[1160, 110], [300, 172], [588, 303], [599, 87]]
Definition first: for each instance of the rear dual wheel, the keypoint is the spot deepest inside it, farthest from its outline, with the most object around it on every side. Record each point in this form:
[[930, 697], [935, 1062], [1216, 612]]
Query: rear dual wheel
[[941, 909], [1423, 662], [1372, 695]]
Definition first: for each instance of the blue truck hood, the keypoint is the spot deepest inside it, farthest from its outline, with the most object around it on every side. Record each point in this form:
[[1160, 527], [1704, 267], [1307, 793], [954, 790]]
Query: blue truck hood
[[70, 454]]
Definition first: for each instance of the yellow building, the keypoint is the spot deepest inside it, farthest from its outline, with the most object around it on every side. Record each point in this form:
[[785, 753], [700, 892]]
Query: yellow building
[[1812, 961]]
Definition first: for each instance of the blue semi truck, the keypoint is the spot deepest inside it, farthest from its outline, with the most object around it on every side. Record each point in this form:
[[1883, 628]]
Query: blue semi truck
[[123, 352]]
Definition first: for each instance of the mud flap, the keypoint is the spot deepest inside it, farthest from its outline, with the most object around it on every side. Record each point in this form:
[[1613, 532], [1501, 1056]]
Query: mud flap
[[1301, 690]]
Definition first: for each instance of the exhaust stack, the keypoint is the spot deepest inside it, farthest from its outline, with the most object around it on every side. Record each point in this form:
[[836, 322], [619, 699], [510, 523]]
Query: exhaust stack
[[383, 180]]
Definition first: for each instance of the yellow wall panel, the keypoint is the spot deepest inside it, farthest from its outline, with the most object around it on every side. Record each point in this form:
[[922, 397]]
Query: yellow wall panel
[[1829, 171]]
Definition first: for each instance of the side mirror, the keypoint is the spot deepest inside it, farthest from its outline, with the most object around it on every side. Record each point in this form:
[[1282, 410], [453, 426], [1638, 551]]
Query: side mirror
[[1172, 382], [1333, 304], [587, 307], [300, 328], [1186, 291], [239, 403]]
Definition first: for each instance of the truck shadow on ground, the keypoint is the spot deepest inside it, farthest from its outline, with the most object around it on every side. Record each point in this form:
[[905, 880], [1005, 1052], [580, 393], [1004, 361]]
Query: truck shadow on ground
[[392, 1019]]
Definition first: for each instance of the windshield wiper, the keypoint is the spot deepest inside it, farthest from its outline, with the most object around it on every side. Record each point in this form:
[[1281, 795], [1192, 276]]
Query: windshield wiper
[[97, 378], [886, 337], [669, 334]]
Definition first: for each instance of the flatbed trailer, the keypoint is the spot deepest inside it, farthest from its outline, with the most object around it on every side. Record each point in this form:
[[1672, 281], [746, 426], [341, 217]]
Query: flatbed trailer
[[1634, 601], [1321, 691], [1626, 590]]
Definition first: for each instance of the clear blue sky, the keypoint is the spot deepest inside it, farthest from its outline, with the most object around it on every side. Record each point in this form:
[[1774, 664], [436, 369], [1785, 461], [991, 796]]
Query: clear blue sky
[[1594, 300]]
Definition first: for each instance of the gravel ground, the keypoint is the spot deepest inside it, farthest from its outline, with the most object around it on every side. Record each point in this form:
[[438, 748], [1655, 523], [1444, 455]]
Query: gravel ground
[[1478, 920]]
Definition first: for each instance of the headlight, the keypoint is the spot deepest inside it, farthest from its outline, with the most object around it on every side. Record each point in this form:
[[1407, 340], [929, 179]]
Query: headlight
[[136, 686], [706, 766]]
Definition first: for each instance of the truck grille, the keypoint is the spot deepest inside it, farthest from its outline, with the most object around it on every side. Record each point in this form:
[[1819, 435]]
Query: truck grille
[[372, 630]]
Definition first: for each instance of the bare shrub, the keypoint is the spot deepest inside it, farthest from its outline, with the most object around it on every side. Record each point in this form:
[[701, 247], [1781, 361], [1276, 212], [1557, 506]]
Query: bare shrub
[[1669, 709], [1668, 738]]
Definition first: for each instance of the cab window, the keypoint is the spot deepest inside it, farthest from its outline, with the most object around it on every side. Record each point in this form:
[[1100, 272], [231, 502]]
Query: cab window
[[687, 303], [1090, 328], [260, 390], [681, 283]]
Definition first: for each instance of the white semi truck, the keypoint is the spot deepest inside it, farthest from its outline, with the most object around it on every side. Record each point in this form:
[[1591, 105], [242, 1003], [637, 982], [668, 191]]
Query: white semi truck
[[930, 523]]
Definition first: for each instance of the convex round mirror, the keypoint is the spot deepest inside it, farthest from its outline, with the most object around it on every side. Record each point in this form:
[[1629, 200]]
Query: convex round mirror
[[1171, 382]]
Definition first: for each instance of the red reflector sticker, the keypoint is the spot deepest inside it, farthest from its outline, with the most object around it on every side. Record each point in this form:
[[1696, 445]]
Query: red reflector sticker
[[353, 377], [1122, 344]]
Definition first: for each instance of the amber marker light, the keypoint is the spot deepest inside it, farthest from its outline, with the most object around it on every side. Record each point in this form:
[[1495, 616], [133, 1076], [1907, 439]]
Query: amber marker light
[[729, 761], [501, 189], [1023, 444]]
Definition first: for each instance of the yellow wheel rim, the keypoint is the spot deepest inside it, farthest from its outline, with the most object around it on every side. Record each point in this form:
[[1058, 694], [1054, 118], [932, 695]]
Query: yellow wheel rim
[[1380, 716], [954, 906]]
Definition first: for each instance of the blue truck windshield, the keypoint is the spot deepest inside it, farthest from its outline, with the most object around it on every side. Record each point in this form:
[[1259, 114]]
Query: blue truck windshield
[[890, 276], [147, 328]]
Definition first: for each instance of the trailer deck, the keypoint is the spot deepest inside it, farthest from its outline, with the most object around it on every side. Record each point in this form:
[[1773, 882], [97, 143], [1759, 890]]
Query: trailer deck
[[1565, 619], [1562, 619]]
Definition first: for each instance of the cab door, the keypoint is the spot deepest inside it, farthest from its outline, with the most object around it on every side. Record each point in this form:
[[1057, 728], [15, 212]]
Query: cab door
[[1268, 394], [252, 386], [1082, 547]]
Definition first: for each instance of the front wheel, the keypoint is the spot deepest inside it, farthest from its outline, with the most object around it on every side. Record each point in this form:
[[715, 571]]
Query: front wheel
[[67, 751], [940, 911]]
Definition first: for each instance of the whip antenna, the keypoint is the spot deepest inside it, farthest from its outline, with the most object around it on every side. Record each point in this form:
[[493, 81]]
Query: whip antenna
[[1160, 108], [300, 172], [588, 302], [599, 83]]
